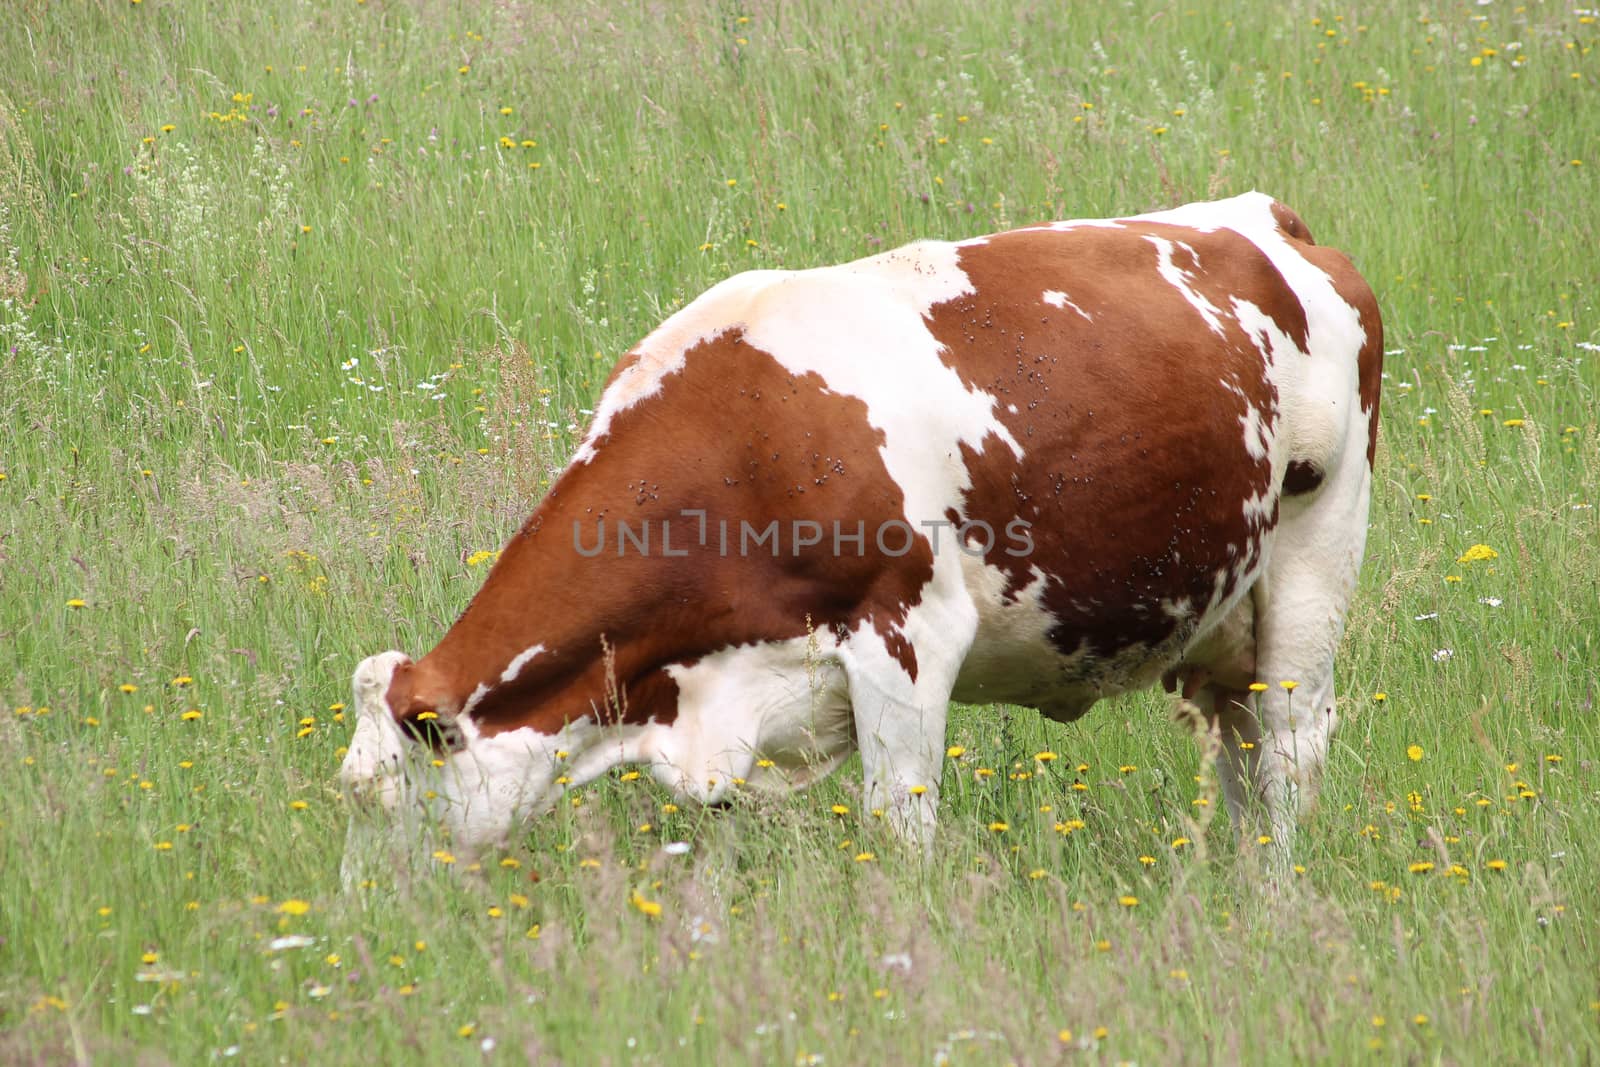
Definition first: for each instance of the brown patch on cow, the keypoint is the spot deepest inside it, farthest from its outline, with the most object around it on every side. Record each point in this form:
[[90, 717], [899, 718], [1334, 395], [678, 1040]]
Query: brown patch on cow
[[1137, 415], [1371, 369], [732, 433]]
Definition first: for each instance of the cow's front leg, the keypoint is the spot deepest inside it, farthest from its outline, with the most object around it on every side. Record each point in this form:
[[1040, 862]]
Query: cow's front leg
[[900, 730], [902, 757]]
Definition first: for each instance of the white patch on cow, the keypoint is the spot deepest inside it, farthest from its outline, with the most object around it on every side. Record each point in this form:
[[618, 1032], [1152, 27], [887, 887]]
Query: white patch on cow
[[1080, 224], [1182, 280], [474, 698], [515, 667], [1275, 346], [1057, 299], [1286, 364], [487, 786], [1281, 358], [1257, 507], [783, 702], [1257, 437], [1013, 660], [1260, 430], [1259, 427]]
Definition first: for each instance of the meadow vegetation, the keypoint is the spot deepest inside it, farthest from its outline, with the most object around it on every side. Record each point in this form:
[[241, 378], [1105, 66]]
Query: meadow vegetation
[[302, 304]]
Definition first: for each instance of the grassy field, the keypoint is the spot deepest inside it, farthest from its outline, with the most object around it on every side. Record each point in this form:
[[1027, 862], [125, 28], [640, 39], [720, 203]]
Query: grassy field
[[302, 304]]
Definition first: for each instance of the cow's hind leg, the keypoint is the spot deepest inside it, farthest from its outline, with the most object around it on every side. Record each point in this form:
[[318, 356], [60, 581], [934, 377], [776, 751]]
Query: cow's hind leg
[[1216, 676], [1300, 605]]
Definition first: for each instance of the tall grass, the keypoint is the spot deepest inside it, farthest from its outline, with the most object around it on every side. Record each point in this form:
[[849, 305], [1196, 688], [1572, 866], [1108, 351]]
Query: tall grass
[[301, 305]]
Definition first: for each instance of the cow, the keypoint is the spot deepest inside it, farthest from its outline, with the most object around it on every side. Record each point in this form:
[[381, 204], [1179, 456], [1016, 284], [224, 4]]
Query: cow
[[815, 506]]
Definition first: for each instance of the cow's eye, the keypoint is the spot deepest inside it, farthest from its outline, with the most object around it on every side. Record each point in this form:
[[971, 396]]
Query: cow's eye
[[438, 734]]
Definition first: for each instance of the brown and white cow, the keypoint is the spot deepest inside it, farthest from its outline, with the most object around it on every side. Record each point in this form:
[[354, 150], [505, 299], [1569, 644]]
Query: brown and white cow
[[814, 507]]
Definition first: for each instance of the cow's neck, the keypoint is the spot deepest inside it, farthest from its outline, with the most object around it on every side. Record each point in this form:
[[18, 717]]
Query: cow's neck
[[556, 634]]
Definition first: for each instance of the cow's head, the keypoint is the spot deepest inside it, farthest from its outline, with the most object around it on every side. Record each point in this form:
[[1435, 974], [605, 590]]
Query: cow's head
[[373, 773], [432, 775]]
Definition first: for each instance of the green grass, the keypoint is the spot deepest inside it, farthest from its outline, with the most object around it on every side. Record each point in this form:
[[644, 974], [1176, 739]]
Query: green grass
[[212, 342]]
